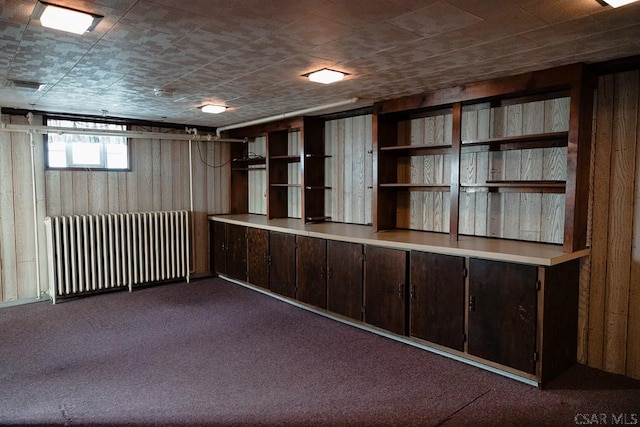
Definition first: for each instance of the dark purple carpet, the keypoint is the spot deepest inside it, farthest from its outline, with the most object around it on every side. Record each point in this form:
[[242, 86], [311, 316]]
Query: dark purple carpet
[[215, 353]]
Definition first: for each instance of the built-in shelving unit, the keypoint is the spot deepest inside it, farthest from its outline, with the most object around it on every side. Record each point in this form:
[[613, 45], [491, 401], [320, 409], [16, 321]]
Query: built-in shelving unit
[[308, 156], [534, 167]]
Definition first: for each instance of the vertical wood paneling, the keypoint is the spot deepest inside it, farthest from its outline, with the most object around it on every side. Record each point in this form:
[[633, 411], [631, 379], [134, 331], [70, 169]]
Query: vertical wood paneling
[[612, 338], [295, 177], [358, 170], [166, 175], [368, 168], [348, 169], [25, 249], [347, 141], [7, 220], [633, 321], [621, 203], [512, 171], [468, 173], [599, 237], [156, 174]]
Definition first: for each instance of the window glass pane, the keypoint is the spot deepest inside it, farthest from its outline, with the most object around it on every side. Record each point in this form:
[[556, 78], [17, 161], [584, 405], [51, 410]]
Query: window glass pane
[[57, 159], [86, 154]]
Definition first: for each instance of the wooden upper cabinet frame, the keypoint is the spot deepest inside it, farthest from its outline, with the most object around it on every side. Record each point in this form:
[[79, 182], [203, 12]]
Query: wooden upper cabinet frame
[[531, 83]]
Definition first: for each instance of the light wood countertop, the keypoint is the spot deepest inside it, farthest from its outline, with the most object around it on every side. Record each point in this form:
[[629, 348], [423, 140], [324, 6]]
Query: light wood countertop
[[467, 246]]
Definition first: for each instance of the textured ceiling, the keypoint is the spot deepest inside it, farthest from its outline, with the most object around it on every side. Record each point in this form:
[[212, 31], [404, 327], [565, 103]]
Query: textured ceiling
[[250, 54]]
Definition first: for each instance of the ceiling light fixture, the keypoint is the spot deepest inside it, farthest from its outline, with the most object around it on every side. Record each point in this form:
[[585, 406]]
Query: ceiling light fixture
[[617, 3], [65, 19], [326, 76], [213, 109]]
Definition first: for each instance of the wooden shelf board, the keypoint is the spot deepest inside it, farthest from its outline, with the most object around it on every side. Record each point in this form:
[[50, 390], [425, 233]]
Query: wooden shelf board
[[249, 169], [540, 140], [318, 156], [317, 218], [516, 187], [251, 161], [416, 187], [418, 149], [288, 159]]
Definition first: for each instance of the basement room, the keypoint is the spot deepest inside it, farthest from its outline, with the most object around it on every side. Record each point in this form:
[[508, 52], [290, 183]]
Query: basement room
[[320, 213]]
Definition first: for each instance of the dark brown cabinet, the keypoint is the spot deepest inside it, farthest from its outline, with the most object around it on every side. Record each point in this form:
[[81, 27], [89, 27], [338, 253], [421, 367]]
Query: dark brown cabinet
[[437, 302], [258, 257], [520, 318], [311, 265], [282, 267], [385, 288], [503, 313], [344, 278], [230, 250]]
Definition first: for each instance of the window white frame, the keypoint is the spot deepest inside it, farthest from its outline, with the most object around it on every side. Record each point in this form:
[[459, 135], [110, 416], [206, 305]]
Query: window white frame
[[70, 151]]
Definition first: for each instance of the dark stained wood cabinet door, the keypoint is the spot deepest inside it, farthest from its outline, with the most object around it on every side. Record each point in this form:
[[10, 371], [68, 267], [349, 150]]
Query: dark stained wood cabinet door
[[437, 298], [503, 312], [282, 270], [258, 257], [219, 247], [237, 251], [344, 278], [311, 265], [385, 288]]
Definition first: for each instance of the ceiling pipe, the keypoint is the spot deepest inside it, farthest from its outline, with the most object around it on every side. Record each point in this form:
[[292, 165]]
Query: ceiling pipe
[[285, 115], [124, 133]]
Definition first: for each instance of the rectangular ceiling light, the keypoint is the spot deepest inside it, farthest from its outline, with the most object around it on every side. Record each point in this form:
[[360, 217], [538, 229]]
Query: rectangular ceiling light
[[618, 3], [326, 76], [213, 109], [65, 19]]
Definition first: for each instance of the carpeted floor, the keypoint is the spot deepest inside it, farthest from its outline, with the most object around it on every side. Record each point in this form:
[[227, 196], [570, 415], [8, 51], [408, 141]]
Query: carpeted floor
[[215, 353]]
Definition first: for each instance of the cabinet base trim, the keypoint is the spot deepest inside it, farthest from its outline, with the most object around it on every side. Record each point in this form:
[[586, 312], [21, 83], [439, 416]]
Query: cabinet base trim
[[386, 334]]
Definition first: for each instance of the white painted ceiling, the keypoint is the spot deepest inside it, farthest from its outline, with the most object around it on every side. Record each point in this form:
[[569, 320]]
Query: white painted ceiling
[[250, 54]]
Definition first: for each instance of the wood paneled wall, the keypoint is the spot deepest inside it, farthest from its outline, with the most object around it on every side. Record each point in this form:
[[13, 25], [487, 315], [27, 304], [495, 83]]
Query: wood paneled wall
[[258, 177], [349, 170], [18, 268], [609, 319], [159, 180]]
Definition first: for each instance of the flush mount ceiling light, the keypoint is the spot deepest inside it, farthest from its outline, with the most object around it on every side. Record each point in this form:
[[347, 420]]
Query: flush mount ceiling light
[[326, 76], [65, 19], [213, 109], [616, 3]]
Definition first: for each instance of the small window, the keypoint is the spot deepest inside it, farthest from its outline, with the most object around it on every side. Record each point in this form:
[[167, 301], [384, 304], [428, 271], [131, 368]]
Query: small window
[[86, 151]]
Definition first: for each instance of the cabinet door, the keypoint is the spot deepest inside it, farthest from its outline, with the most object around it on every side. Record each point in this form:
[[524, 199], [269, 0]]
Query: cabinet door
[[344, 278], [282, 271], [385, 282], [237, 251], [311, 265], [503, 312], [437, 299], [258, 257], [219, 247]]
